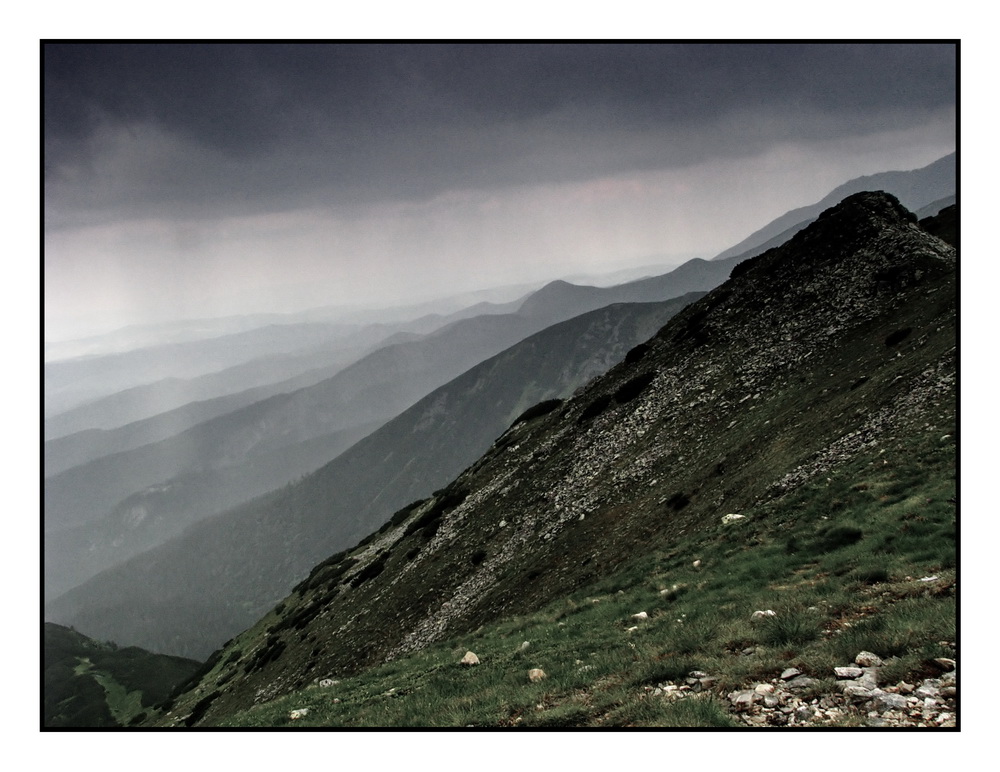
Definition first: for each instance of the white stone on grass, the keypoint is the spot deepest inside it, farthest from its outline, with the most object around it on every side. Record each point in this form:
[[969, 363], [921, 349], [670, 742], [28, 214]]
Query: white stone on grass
[[469, 659]]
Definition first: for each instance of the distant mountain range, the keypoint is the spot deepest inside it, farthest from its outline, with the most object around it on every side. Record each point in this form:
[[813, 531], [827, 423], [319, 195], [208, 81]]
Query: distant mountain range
[[924, 191]]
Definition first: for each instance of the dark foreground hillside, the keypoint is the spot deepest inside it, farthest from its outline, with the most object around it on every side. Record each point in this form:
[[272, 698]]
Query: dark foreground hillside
[[783, 445], [92, 684]]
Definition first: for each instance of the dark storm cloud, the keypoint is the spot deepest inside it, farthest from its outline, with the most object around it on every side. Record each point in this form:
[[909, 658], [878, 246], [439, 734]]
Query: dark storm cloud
[[278, 122]]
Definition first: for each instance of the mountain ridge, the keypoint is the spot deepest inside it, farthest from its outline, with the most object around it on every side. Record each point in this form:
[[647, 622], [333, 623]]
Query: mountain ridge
[[792, 368], [914, 189]]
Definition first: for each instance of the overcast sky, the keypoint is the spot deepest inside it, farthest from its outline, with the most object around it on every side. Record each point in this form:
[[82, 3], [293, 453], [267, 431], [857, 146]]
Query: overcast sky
[[207, 179]]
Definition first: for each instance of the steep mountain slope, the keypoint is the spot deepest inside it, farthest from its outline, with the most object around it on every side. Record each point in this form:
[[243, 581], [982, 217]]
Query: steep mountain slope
[[91, 509], [157, 514], [189, 595], [914, 189], [944, 224], [813, 357], [92, 684]]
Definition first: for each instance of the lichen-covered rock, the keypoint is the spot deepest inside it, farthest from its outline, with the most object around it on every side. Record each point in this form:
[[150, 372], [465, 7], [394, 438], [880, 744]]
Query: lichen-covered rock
[[867, 659], [743, 700], [888, 701]]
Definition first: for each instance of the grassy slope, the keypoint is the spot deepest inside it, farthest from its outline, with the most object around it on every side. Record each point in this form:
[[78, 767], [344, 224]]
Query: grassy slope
[[839, 560], [92, 684]]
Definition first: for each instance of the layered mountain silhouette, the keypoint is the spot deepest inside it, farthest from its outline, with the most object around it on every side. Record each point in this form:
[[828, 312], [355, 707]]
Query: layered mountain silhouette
[[143, 414], [273, 359], [115, 494], [811, 354], [74, 382], [191, 594], [110, 507]]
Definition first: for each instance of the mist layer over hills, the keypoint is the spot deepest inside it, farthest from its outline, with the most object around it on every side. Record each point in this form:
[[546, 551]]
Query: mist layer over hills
[[115, 504], [128, 386]]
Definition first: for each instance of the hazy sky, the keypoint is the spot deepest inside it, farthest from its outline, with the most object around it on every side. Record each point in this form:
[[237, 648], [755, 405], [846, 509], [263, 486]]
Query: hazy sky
[[205, 179]]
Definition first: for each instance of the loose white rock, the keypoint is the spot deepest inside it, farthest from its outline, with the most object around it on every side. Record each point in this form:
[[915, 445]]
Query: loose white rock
[[743, 700], [469, 659], [867, 659]]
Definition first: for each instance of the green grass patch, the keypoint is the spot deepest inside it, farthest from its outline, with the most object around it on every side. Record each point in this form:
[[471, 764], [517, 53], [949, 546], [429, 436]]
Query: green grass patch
[[123, 704], [838, 561]]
